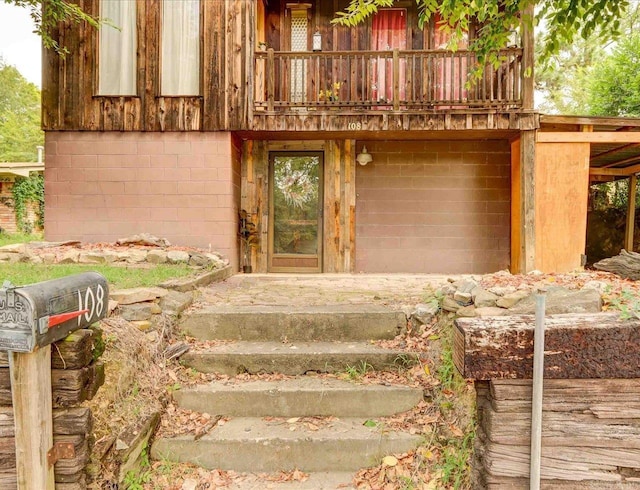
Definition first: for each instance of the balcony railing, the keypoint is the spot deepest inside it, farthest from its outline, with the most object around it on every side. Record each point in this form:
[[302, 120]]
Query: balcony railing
[[385, 80]]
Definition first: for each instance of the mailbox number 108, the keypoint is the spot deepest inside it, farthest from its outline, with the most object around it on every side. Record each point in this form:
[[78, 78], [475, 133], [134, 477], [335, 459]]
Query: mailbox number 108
[[92, 302]]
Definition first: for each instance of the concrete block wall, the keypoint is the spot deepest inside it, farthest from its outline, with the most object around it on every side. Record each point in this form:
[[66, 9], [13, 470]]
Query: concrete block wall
[[101, 186], [434, 207]]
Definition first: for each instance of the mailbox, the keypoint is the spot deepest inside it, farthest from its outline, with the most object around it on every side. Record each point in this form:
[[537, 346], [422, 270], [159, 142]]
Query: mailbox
[[39, 314]]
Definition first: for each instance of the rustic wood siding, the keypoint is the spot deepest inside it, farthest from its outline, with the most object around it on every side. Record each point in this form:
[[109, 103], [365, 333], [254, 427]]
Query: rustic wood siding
[[70, 84], [338, 202]]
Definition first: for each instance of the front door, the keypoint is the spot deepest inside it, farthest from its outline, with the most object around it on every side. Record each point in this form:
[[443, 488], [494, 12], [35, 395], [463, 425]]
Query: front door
[[295, 219]]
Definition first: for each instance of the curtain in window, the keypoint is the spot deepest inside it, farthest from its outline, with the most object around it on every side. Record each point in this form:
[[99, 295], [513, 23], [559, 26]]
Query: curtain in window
[[180, 47], [389, 32], [452, 71], [117, 56]]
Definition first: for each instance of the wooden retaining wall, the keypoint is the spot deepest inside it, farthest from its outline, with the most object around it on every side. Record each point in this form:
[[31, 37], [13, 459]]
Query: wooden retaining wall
[[591, 406], [76, 377]]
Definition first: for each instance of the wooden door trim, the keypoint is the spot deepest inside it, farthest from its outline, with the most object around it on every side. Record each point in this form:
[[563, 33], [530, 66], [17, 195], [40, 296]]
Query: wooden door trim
[[270, 234]]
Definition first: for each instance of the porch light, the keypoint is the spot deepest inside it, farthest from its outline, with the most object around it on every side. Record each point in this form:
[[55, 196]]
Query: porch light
[[317, 41], [364, 157]]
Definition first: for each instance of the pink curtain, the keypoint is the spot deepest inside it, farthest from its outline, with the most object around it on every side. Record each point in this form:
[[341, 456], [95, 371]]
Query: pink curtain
[[452, 70], [389, 32]]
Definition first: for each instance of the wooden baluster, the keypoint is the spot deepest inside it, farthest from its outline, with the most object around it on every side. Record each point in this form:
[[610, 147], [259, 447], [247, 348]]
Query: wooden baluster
[[271, 83], [396, 80]]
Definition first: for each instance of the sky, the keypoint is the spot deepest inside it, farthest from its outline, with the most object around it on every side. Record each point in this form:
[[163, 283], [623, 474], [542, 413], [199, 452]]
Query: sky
[[19, 46]]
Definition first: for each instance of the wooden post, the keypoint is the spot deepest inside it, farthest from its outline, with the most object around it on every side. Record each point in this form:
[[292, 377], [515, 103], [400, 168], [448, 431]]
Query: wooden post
[[631, 213], [527, 202], [528, 60], [31, 394], [396, 80], [271, 83]]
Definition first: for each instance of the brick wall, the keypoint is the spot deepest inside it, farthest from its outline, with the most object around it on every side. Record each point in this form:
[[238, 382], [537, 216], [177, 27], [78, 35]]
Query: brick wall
[[101, 186], [7, 214], [434, 207]]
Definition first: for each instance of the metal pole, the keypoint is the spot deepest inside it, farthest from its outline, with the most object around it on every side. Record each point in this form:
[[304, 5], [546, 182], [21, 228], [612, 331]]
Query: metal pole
[[536, 398]]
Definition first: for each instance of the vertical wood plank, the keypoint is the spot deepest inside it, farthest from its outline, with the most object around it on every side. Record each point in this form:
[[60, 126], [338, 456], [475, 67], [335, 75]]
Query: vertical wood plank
[[528, 59], [527, 201], [516, 209], [31, 395], [631, 213]]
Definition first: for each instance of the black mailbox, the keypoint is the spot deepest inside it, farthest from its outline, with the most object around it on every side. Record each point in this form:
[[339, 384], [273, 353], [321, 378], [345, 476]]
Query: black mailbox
[[39, 314]]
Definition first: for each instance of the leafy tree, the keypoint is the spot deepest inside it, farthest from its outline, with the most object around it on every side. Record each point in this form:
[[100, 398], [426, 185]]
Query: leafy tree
[[46, 15], [564, 77], [614, 81], [567, 19], [19, 116]]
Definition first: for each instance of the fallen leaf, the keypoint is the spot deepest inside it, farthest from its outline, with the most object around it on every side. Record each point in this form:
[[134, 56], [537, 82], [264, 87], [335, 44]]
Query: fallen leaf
[[293, 420], [390, 461]]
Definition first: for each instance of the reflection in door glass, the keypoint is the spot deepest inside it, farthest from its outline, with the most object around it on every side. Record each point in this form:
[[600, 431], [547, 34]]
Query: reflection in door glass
[[296, 182]]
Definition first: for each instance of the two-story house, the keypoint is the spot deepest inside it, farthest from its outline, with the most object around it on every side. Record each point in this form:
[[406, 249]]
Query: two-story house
[[360, 149]]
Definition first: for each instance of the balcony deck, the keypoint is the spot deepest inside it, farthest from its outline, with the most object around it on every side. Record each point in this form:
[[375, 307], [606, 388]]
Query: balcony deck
[[388, 81], [387, 91]]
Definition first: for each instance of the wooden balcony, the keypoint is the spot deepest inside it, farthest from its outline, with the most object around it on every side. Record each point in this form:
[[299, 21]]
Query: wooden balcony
[[384, 81]]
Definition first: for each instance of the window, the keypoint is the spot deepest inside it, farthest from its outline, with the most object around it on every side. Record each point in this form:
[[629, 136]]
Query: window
[[299, 35], [117, 56], [180, 47]]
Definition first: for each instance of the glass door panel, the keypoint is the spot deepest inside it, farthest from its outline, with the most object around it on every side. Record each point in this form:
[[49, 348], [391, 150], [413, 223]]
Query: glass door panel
[[296, 216]]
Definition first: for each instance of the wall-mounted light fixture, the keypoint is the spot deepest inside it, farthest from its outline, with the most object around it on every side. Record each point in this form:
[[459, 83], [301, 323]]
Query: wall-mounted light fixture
[[364, 157], [317, 41]]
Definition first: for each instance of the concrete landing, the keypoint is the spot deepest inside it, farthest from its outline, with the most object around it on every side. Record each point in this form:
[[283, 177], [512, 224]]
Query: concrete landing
[[255, 445], [294, 323], [294, 358], [299, 397]]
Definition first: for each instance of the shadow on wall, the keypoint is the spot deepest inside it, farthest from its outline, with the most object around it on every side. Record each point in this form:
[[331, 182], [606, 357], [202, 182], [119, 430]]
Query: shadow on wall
[[605, 233]]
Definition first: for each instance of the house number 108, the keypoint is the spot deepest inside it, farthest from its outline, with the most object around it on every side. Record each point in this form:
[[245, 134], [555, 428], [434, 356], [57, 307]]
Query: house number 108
[[354, 126]]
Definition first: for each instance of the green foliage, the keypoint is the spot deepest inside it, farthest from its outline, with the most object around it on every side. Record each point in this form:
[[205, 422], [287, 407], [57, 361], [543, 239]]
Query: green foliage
[[565, 78], [47, 15], [627, 303], [455, 462], [135, 480], [11, 238], [27, 192], [358, 371], [566, 20], [118, 277], [20, 132], [614, 85], [608, 195]]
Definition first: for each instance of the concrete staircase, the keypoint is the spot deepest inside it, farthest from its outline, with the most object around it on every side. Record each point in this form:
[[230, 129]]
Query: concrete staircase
[[264, 434]]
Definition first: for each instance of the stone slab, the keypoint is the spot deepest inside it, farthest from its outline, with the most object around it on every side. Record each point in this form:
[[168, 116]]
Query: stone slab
[[561, 300], [137, 295], [201, 280], [293, 358], [300, 397], [271, 323], [250, 444]]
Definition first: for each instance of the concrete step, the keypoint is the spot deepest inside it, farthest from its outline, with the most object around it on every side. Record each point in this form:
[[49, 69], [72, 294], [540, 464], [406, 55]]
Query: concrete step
[[279, 323], [294, 358], [256, 445], [299, 397]]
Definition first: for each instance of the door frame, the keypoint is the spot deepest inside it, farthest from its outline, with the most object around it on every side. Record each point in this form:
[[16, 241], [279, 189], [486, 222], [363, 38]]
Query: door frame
[[270, 235]]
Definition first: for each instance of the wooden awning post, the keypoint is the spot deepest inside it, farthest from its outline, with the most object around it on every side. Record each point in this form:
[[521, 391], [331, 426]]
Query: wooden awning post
[[631, 213], [31, 394]]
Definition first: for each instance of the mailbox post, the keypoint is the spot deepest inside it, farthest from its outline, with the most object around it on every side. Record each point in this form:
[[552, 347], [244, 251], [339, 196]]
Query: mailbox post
[[31, 319]]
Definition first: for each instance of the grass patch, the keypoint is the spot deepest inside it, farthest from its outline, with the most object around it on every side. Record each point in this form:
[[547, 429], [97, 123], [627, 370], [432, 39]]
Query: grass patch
[[119, 277], [11, 238]]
